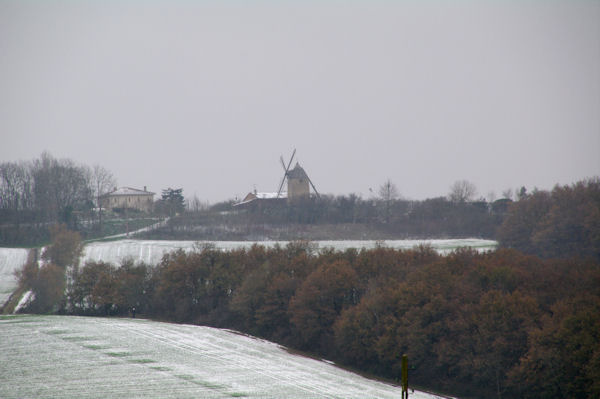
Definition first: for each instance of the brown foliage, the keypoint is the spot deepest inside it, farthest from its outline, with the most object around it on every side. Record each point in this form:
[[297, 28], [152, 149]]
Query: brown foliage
[[66, 247], [563, 223], [49, 288], [563, 352], [320, 300], [500, 324], [466, 321]]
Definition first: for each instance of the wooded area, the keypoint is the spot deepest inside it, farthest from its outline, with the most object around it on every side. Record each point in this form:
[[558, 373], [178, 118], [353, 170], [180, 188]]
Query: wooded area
[[502, 324], [562, 223], [37, 194]]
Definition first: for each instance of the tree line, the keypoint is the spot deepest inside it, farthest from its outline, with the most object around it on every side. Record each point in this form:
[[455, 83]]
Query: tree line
[[391, 218], [564, 222], [35, 194], [502, 324]]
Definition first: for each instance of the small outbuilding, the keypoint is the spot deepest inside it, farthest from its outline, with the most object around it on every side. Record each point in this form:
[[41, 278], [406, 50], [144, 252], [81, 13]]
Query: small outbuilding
[[253, 198]]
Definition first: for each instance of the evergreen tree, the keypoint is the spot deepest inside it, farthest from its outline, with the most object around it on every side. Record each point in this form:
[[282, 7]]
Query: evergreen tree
[[173, 200]]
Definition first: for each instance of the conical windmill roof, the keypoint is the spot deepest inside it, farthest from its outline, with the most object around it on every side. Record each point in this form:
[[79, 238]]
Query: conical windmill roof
[[297, 172]]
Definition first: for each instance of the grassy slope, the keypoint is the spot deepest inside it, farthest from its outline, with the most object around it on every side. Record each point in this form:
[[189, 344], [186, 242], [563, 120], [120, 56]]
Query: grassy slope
[[75, 357]]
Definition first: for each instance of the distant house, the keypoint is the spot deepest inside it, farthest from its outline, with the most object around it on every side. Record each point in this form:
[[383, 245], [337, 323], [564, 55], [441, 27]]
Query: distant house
[[128, 198]]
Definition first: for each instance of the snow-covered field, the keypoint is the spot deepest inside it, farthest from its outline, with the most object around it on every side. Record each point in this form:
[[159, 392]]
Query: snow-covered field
[[151, 252], [78, 357], [11, 259]]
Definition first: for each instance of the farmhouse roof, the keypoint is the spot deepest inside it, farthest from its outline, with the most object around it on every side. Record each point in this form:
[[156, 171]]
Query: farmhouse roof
[[127, 191], [270, 195]]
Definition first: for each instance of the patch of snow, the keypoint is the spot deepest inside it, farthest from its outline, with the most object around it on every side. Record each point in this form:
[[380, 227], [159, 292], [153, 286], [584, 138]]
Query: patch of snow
[[11, 260], [152, 251], [283, 194], [25, 300], [156, 225], [149, 252], [135, 358]]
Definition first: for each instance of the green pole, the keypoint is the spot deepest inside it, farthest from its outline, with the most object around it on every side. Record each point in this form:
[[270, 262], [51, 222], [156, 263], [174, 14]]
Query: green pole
[[404, 372]]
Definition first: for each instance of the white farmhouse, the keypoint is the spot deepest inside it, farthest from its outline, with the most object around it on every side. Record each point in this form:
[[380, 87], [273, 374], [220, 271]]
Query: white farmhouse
[[128, 198]]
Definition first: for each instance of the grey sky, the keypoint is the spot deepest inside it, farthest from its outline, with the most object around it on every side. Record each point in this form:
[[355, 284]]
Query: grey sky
[[206, 95]]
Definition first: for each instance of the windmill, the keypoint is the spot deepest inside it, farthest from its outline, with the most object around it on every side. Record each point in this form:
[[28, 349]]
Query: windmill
[[297, 175]]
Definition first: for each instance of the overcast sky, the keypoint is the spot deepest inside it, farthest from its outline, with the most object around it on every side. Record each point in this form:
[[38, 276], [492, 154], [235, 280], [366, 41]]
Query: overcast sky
[[206, 95]]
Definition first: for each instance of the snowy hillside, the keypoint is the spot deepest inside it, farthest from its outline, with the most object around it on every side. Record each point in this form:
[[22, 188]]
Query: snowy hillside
[[77, 357], [151, 252], [11, 259]]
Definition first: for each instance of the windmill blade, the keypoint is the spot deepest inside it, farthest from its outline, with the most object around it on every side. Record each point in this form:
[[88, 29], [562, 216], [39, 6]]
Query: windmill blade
[[290, 163], [282, 163], [313, 186], [281, 186], [283, 178]]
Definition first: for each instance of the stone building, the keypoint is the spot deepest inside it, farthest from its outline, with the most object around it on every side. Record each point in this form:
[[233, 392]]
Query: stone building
[[298, 184], [128, 198]]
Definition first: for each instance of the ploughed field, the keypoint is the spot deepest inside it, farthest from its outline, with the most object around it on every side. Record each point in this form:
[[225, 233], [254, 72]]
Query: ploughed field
[[83, 357]]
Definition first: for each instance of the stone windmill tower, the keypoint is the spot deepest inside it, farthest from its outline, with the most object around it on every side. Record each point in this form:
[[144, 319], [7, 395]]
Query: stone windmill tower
[[298, 182]]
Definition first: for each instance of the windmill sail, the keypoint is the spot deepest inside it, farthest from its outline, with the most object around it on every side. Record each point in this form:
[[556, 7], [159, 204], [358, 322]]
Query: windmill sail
[[286, 170]]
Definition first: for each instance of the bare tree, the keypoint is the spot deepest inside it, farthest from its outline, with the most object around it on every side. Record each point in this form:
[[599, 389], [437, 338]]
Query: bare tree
[[60, 186], [50, 190], [508, 193], [195, 205], [462, 191], [521, 193], [101, 182], [387, 194], [16, 185]]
